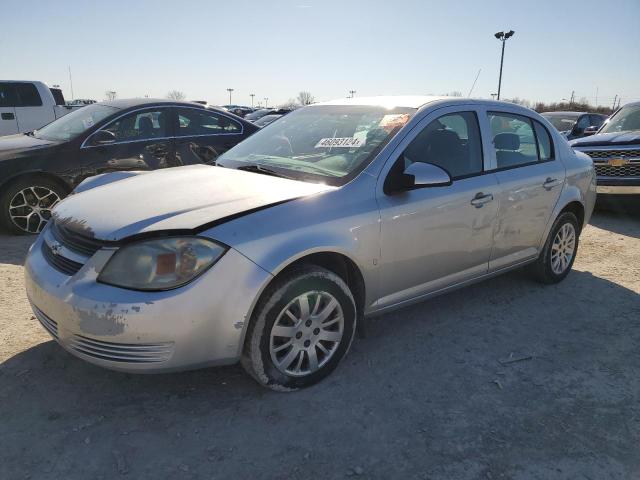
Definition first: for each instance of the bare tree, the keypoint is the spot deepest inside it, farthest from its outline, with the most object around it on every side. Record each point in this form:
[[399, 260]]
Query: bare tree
[[455, 93], [305, 98], [291, 104], [110, 95], [176, 95], [519, 101]]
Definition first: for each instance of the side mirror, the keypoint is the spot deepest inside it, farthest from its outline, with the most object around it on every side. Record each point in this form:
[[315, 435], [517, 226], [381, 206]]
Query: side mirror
[[103, 137], [427, 175], [417, 175], [576, 130], [590, 130]]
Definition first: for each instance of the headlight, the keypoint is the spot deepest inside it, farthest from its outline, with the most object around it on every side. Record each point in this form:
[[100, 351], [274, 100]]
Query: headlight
[[160, 264]]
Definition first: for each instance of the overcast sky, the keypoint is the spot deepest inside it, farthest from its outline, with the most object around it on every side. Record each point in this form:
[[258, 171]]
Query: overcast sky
[[275, 48]]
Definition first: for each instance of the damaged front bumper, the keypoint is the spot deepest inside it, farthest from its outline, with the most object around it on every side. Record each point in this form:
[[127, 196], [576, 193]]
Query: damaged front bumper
[[200, 324]]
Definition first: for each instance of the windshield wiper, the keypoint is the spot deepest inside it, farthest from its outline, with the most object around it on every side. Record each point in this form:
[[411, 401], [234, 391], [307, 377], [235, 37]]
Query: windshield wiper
[[264, 170]]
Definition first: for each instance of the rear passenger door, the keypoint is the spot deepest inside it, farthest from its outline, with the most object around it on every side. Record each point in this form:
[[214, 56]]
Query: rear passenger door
[[203, 135], [530, 178], [8, 120]]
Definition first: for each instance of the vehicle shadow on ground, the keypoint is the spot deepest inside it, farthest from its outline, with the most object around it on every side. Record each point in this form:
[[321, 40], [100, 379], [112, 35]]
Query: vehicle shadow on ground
[[507, 356], [14, 248]]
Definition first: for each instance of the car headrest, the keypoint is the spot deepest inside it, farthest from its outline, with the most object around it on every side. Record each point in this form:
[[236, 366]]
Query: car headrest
[[506, 141], [145, 125]]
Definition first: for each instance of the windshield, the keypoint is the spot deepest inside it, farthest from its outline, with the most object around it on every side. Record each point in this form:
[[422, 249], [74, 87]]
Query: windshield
[[562, 122], [322, 144], [74, 123], [625, 120]]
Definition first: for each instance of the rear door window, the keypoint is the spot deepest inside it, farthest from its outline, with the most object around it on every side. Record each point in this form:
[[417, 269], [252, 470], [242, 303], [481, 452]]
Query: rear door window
[[27, 95], [194, 122], [513, 139]]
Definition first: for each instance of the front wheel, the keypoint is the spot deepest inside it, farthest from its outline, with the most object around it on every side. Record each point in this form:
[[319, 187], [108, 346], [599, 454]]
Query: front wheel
[[302, 327], [560, 249]]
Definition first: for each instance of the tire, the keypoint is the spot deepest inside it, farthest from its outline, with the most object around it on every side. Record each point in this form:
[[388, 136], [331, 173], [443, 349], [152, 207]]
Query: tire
[[554, 264], [285, 363], [38, 194]]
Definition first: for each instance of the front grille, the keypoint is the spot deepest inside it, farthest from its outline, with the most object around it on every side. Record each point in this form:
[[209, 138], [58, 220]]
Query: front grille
[[629, 170], [60, 263], [49, 324], [121, 352], [603, 154], [76, 242]]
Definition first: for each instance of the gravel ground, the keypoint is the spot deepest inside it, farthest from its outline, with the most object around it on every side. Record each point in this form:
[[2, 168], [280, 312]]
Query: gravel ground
[[506, 379]]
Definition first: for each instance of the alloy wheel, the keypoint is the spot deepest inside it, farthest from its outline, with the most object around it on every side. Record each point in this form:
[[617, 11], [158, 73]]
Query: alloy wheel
[[30, 208], [563, 248], [306, 334]]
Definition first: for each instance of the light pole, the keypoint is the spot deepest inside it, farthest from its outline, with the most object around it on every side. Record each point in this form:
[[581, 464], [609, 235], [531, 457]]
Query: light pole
[[229, 90], [352, 92], [266, 102], [252, 95], [503, 37]]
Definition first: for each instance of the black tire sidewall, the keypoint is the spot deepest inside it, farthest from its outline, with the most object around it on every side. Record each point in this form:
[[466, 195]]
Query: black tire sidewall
[[310, 280], [14, 187], [548, 275]]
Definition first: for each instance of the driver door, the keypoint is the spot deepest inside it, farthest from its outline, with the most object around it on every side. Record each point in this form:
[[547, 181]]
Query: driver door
[[142, 140], [435, 237]]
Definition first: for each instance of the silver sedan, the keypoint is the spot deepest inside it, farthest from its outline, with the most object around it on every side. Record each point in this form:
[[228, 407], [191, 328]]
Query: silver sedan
[[335, 212]]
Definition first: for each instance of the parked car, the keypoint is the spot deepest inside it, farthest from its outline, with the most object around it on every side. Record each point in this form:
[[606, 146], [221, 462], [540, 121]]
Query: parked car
[[81, 102], [266, 120], [239, 110], [335, 212], [253, 116], [575, 124], [615, 151], [27, 105], [38, 169]]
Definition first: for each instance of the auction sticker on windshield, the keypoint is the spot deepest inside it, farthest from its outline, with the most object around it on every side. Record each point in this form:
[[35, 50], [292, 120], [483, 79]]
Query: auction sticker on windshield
[[344, 142]]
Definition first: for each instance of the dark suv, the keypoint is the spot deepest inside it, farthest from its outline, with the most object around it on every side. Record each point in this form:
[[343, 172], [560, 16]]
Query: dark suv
[[575, 124], [615, 151]]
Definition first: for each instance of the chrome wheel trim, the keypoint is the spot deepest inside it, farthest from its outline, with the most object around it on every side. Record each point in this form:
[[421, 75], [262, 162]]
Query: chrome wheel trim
[[30, 208], [563, 248], [306, 334]]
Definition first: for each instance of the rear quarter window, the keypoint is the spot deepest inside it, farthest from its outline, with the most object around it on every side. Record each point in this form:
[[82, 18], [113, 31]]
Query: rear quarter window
[[545, 144]]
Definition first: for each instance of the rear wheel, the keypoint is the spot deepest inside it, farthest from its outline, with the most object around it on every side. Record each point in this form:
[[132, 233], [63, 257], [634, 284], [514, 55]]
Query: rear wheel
[[301, 329], [26, 204], [560, 249]]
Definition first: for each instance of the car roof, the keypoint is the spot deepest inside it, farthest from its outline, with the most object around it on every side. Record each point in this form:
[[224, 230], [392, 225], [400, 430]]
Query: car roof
[[555, 114], [134, 102], [410, 101], [418, 101]]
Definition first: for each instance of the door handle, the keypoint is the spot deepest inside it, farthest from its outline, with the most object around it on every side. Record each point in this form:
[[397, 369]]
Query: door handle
[[550, 183], [480, 199], [8, 116]]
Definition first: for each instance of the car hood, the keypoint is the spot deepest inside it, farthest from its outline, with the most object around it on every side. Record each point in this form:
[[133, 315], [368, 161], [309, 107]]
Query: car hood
[[606, 139], [12, 145], [181, 198]]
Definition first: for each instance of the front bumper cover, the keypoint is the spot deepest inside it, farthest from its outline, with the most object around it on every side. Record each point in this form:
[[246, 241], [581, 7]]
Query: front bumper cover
[[200, 324]]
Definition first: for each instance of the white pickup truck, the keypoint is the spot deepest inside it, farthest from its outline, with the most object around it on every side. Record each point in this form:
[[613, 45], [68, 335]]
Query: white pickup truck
[[27, 106]]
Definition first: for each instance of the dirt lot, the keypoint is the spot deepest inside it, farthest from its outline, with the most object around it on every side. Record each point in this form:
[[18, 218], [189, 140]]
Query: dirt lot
[[430, 394]]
